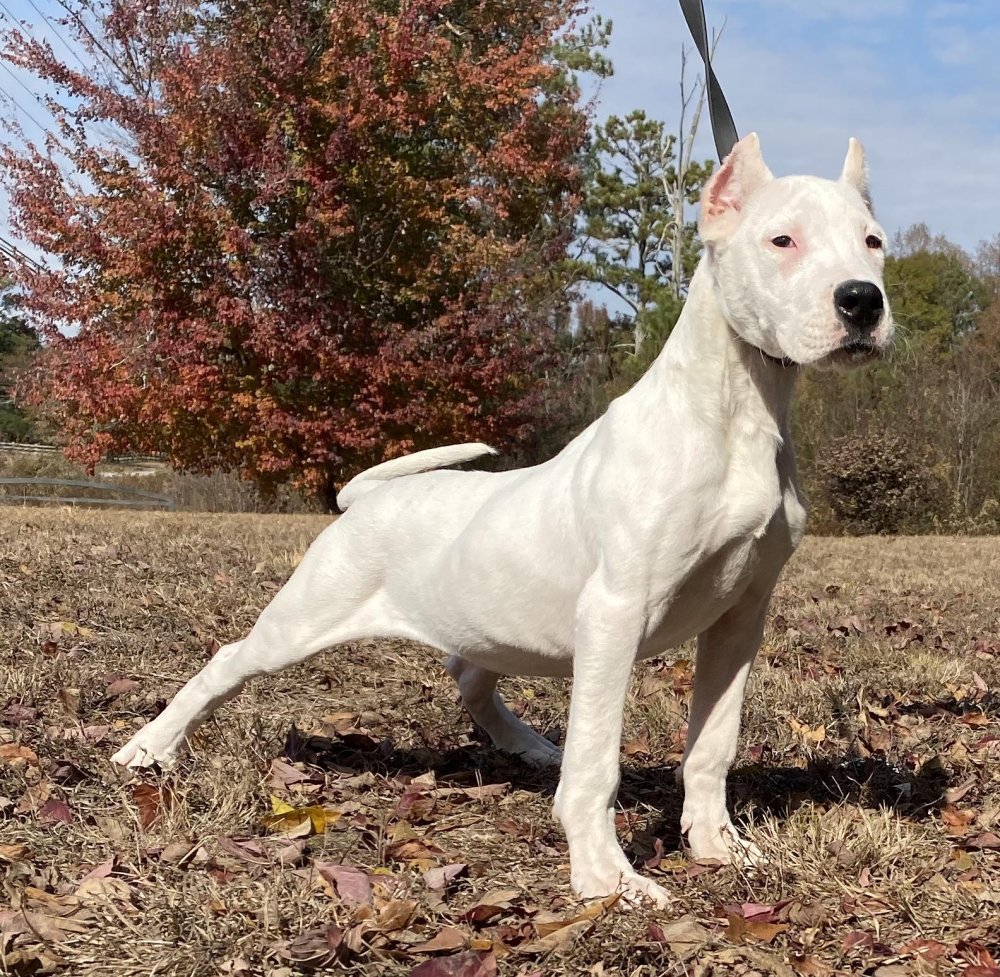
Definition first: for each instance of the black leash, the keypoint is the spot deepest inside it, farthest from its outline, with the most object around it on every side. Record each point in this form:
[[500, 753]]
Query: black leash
[[723, 127]]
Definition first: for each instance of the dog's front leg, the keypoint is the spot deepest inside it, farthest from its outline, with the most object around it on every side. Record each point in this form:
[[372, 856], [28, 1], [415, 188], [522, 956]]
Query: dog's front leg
[[607, 635], [725, 654]]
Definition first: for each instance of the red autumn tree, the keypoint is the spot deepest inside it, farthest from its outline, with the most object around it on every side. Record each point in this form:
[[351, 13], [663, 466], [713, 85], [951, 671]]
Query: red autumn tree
[[299, 238]]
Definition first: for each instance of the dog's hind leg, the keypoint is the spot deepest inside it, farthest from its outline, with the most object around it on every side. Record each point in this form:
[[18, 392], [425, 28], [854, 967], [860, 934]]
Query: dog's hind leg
[[326, 602], [508, 733]]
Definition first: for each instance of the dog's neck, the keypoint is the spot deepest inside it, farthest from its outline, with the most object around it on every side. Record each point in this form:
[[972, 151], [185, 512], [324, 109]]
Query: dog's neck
[[704, 352]]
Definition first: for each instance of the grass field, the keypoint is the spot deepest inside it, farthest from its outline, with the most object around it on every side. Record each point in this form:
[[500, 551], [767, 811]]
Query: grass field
[[346, 817]]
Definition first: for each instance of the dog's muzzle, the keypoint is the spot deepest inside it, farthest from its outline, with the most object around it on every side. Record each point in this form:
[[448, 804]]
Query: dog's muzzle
[[860, 307]]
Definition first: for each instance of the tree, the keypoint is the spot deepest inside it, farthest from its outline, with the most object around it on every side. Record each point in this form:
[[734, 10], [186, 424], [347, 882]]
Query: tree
[[935, 296], [321, 237], [18, 342], [630, 224]]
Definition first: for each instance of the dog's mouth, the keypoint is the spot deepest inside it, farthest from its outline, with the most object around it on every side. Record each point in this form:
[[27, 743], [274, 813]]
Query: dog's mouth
[[855, 354]]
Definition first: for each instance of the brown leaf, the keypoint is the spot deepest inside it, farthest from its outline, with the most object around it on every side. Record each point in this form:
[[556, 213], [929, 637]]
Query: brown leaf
[[448, 938], [547, 923], [56, 810], [739, 929], [489, 906], [985, 840], [640, 745], [396, 914], [17, 755], [439, 877], [411, 849], [120, 687], [317, 949], [353, 885], [150, 801], [14, 853], [70, 700], [469, 963], [285, 774], [560, 938], [808, 965], [17, 713], [44, 926]]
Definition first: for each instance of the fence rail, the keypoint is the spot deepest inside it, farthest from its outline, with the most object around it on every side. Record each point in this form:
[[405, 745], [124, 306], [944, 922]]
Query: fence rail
[[133, 498], [19, 447], [34, 449]]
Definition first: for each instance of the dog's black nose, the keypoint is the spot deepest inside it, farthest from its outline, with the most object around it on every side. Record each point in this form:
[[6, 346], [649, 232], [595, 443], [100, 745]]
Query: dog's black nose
[[859, 306]]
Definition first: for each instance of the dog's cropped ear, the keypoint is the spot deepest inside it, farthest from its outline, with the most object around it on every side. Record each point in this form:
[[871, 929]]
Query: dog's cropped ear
[[742, 172], [855, 171]]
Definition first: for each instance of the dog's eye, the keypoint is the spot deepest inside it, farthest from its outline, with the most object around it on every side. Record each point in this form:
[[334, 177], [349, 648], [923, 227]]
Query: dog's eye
[[782, 241], [874, 242]]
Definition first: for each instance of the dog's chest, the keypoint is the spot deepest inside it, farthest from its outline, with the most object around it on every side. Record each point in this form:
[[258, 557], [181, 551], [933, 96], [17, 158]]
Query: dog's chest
[[755, 529]]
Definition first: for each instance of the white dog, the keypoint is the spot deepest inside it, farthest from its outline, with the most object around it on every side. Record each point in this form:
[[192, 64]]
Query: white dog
[[669, 517]]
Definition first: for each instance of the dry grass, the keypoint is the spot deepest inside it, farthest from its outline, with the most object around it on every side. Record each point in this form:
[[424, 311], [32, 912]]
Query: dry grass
[[869, 774]]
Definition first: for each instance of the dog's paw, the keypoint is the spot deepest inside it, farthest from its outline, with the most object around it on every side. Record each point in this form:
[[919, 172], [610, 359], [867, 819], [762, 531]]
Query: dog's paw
[[137, 754], [541, 753], [723, 843], [635, 890]]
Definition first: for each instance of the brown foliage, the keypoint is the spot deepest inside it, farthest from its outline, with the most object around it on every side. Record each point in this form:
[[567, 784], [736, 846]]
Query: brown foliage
[[320, 237]]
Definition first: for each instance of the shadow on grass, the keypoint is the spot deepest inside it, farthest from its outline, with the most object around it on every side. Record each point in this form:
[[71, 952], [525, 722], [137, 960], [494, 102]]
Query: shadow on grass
[[461, 766], [651, 794]]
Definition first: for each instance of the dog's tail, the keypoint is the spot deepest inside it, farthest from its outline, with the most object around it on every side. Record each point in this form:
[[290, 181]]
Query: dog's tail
[[419, 461]]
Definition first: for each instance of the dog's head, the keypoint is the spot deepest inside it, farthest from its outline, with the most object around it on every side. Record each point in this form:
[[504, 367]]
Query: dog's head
[[798, 260]]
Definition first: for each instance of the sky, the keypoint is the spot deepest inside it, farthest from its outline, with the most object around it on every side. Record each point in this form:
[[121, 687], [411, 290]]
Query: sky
[[918, 81]]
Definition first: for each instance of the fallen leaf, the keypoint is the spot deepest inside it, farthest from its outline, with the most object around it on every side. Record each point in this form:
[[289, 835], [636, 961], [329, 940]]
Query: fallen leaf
[[294, 822], [150, 801], [120, 687], [101, 890], [739, 929], [396, 914], [352, 884], [14, 853], [640, 745], [439, 877], [985, 840], [411, 849], [469, 963], [17, 755], [56, 810], [546, 924], [447, 939], [489, 906], [562, 937], [18, 712], [41, 925]]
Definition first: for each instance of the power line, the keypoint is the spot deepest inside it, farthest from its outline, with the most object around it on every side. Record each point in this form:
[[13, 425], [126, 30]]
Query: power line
[[69, 47], [3, 64], [13, 253]]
